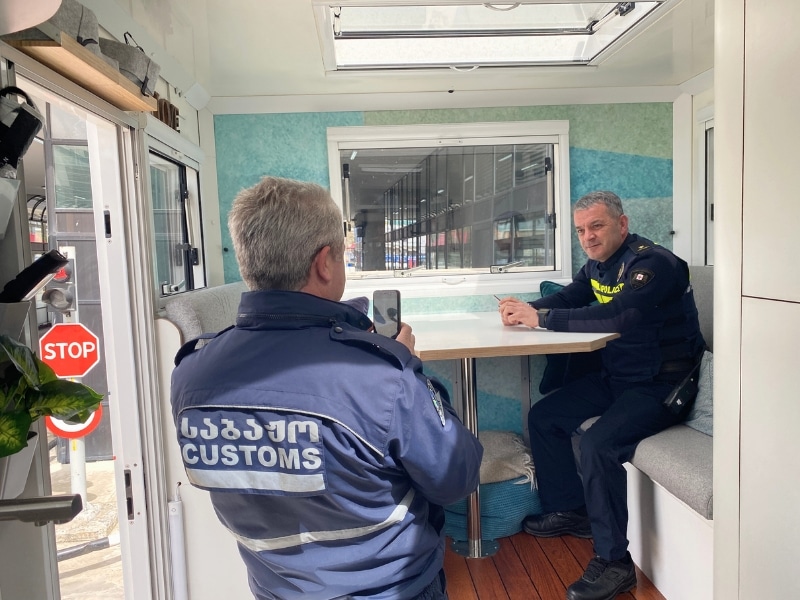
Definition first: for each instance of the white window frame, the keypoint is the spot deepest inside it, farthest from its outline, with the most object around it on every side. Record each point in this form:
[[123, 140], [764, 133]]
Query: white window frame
[[708, 203], [702, 226], [463, 282], [162, 139]]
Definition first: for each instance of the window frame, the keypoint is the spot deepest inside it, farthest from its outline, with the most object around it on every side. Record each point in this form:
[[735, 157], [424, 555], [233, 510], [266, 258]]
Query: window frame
[[161, 140], [708, 191], [702, 249], [461, 282]]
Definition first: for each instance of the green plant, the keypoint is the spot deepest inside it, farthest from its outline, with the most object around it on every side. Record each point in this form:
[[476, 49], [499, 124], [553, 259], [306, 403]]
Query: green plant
[[29, 390]]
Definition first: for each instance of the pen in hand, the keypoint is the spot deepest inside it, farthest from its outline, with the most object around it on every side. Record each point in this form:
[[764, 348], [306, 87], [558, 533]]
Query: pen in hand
[[496, 297]]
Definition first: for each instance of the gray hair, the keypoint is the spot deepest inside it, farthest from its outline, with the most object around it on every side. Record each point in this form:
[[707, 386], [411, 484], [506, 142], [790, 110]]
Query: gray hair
[[278, 226], [609, 199]]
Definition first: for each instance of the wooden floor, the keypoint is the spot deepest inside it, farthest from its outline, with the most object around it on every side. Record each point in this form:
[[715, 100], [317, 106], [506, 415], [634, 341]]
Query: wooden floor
[[528, 568]]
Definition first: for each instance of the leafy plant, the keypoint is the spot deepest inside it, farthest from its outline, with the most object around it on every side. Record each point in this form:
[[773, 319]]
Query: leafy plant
[[29, 390]]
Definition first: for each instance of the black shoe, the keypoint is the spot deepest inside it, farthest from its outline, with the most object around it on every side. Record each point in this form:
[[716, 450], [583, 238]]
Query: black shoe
[[558, 523], [604, 579]]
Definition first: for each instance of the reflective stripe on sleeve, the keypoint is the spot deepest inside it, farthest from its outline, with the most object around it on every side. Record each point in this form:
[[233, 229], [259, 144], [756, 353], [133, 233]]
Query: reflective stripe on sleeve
[[255, 480], [308, 537]]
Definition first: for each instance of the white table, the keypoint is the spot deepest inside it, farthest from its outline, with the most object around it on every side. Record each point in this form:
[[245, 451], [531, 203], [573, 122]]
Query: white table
[[468, 336]]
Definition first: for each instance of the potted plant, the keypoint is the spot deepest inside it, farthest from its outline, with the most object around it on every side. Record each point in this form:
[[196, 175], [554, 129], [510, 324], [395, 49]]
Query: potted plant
[[29, 390]]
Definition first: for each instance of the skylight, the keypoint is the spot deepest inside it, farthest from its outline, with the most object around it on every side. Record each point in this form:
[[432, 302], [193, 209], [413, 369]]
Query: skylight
[[465, 35]]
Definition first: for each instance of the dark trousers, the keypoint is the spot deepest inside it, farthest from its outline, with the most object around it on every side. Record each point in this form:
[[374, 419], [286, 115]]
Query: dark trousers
[[436, 590], [628, 413]]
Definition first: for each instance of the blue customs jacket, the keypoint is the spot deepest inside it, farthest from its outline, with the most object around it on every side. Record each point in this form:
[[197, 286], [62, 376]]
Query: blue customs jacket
[[327, 452], [643, 293]]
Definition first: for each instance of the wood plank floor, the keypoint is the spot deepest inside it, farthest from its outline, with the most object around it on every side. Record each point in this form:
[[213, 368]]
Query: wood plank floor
[[528, 568]]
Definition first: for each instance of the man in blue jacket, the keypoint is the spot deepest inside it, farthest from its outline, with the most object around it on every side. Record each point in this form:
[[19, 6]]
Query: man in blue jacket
[[640, 290], [327, 452]]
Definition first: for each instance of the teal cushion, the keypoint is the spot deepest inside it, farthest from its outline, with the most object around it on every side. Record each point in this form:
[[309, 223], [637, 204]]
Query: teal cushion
[[504, 505], [549, 287], [701, 415]]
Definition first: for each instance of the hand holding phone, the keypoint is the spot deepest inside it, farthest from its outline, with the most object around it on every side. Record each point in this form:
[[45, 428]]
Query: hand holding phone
[[386, 312]]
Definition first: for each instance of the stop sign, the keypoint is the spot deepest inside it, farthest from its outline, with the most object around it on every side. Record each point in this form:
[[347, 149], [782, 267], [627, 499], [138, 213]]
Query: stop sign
[[69, 349]]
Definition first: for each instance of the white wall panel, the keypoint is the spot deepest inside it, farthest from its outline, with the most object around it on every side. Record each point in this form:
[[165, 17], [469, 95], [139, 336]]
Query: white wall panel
[[771, 130], [728, 109], [770, 461], [214, 568]]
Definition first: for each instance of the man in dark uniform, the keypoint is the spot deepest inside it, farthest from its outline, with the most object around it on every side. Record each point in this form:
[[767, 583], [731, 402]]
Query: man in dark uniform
[[327, 452], [640, 290]]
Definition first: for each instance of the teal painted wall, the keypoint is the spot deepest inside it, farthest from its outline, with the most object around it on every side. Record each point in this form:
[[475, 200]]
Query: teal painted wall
[[626, 148], [285, 145]]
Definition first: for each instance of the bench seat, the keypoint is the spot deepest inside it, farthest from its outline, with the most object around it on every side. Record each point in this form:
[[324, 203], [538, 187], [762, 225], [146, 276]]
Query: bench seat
[[680, 459]]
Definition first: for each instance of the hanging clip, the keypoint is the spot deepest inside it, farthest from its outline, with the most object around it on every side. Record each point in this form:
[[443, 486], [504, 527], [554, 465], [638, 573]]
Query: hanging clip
[[130, 41]]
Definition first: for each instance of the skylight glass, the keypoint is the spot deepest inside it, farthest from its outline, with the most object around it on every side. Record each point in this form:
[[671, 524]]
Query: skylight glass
[[408, 35]]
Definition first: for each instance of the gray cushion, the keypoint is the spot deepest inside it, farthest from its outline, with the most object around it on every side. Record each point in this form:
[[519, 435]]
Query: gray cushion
[[681, 460], [701, 416], [205, 311], [702, 280]]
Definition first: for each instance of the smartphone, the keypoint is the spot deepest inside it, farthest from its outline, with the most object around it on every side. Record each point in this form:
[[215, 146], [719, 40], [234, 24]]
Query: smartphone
[[386, 312]]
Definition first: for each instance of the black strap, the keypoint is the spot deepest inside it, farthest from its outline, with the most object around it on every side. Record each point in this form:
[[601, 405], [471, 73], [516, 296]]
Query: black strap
[[130, 41], [12, 89]]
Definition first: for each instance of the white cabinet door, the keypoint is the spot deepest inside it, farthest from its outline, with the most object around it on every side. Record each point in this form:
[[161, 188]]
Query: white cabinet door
[[771, 130], [770, 450]]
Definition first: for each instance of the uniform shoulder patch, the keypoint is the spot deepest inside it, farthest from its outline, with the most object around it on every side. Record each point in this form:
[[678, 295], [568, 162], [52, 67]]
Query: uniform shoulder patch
[[641, 277], [639, 247]]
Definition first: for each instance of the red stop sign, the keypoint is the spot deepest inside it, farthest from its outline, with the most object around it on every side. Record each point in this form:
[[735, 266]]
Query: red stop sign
[[69, 349]]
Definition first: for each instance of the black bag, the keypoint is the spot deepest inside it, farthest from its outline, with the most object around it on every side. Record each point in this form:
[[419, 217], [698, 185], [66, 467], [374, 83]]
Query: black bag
[[683, 395]]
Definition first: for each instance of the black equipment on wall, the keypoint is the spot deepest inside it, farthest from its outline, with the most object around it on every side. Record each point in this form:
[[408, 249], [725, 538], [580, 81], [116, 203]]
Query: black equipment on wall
[[19, 124]]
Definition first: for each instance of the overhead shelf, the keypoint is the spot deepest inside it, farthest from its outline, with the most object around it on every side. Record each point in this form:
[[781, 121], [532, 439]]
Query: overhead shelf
[[66, 56]]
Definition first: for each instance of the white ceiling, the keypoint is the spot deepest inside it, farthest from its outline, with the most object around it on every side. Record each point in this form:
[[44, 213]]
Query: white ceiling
[[265, 55]]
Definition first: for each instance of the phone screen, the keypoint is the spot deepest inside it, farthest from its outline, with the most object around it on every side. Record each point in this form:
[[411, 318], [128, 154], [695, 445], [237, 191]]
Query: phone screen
[[386, 312]]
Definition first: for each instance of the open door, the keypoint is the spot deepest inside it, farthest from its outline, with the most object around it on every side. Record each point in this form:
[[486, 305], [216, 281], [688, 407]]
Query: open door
[[77, 178]]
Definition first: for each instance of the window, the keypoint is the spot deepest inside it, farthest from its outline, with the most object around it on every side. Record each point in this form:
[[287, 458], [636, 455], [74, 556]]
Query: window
[[467, 34], [175, 215], [453, 199], [72, 183]]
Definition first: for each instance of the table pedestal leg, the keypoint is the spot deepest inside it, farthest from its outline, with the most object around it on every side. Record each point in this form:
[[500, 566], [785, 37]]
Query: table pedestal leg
[[474, 547]]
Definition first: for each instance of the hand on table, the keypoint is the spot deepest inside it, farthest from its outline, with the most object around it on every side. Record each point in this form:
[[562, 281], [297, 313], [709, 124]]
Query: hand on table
[[516, 312]]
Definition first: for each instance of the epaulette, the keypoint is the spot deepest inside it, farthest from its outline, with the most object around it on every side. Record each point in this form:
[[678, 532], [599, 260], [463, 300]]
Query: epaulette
[[639, 247], [191, 346], [371, 341]]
